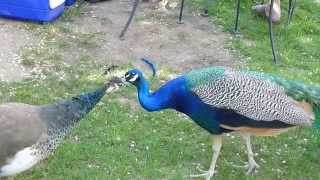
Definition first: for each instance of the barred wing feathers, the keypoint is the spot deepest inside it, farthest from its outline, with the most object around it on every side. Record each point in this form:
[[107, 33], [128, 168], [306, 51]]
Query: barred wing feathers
[[247, 94]]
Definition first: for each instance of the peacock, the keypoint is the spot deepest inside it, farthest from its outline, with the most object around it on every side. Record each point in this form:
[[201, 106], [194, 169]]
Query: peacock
[[223, 100], [30, 133]]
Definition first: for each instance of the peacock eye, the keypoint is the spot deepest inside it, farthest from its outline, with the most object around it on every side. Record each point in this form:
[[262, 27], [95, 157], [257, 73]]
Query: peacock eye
[[134, 77]]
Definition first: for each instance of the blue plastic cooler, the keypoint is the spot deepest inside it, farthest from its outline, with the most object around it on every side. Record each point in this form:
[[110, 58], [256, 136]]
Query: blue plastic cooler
[[34, 10], [70, 2]]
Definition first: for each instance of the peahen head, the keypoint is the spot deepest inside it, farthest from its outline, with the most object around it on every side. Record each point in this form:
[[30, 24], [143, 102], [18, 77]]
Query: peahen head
[[134, 77]]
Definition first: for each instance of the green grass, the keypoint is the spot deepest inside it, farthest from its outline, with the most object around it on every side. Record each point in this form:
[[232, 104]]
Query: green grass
[[116, 141], [298, 44]]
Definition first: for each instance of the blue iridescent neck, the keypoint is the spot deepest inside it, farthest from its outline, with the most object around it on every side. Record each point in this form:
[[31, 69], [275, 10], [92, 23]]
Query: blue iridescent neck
[[155, 101]]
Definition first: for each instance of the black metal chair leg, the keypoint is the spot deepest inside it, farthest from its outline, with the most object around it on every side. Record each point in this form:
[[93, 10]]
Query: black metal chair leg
[[289, 8], [181, 11], [236, 26], [205, 13], [206, 7], [275, 59], [292, 5]]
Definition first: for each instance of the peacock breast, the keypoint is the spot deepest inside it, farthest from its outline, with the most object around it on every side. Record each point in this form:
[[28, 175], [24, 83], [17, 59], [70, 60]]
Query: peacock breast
[[201, 113]]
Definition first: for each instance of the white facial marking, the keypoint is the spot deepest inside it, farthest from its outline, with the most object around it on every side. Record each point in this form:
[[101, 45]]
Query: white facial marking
[[23, 160], [134, 78], [127, 75]]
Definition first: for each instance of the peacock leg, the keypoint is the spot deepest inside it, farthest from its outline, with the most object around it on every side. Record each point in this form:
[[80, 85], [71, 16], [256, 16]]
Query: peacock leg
[[252, 165], [216, 147]]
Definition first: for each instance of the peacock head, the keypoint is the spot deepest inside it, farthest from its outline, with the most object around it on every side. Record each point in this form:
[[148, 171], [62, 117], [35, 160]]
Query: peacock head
[[134, 76]]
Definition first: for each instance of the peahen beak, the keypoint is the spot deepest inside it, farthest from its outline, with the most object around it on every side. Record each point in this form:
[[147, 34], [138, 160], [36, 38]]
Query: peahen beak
[[114, 84], [124, 80]]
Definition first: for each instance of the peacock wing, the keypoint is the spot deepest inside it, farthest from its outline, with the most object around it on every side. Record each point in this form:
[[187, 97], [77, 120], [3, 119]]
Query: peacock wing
[[250, 95]]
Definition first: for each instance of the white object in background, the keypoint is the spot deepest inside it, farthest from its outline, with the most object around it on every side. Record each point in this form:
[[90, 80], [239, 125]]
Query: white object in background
[[55, 3]]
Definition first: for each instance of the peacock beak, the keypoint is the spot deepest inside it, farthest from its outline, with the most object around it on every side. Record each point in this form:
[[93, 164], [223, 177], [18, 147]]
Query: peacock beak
[[127, 77]]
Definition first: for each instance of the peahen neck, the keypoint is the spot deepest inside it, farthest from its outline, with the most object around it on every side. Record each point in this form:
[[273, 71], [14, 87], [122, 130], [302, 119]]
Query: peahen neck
[[154, 101], [65, 114]]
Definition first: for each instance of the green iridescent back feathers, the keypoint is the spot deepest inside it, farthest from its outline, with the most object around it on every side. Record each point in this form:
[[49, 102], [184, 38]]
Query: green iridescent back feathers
[[202, 76], [295, 89]]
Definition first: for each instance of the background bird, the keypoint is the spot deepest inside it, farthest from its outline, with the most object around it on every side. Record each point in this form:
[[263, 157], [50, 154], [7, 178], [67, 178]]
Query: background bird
[[222, 100], [30, 133]]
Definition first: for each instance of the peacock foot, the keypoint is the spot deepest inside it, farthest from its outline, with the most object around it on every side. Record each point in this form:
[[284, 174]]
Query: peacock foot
[[206, 174], [251, 167]]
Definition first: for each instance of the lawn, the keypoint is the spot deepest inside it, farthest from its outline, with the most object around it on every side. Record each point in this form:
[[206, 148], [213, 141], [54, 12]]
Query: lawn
[[119, 140], [298, 44]]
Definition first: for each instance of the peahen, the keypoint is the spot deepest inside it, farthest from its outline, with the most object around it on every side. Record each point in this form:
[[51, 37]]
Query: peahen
[[222, 100], [30, 133]]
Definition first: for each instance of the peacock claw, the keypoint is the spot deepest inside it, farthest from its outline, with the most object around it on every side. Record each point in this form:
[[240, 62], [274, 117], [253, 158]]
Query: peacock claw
[[251, 167], [201, 170], [207, 174]]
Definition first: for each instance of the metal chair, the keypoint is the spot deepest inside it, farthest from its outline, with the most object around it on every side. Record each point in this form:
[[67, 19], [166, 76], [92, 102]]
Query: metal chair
[[204, 14], [292, 4]]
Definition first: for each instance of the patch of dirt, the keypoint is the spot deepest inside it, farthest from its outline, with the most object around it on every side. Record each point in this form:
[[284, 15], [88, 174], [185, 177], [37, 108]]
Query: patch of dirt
[[13, 39], [153, 34]]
